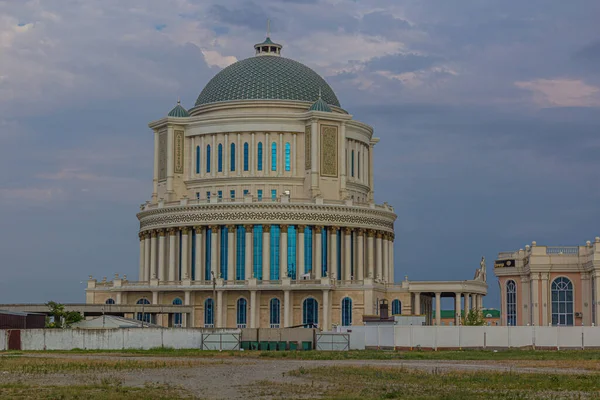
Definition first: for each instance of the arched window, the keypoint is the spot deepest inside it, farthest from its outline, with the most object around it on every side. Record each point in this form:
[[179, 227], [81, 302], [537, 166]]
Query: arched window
[[259, 157], [232, 157], [177, 317], [197, 159], [220, 158], [241, 313], [310, 312], [273, 156], [109, 301], [246, 156], [352, 163], [209, 315], [274, 311], [562, 301], [288, 157], [346, 311], [146, 317], [511, 303], [208, 158], [396, 307]]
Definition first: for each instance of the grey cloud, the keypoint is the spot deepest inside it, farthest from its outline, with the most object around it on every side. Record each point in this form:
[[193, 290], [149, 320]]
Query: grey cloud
[[249, 14], [380, 22], [399, 63]]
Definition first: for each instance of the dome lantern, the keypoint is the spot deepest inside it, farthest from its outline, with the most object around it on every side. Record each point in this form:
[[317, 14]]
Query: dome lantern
[[268, 47]]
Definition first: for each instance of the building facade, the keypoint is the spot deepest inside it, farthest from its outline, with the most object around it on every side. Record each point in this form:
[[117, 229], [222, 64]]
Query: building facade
[[262, 212], [550, 285]]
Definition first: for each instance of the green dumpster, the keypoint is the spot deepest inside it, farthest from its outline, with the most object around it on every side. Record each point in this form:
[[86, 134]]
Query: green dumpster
[[273, 346], [306, 346], [282, 346], [293, 345], [264, 346], [253, 345], [245, 345]]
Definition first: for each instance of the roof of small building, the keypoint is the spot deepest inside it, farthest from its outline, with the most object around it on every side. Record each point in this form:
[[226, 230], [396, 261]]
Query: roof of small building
[[112, 322], [178, 111]]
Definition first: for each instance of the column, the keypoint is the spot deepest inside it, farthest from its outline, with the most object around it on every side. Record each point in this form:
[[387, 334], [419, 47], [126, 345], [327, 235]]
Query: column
[[266, 252], [317, 252], [360, 258], [239, 156], [253, 309], [438, 308], [280, 154], [545, 305], [333, 260], [457, 309], [172, 233], [314, 138], [347, 254], [467, 305], [147, 256], [155, 174], [153, 246], [199, 275], [226, 157], [391, 261], [378, 257], [370, 171], [249, 249], [161, 254], [300, 250], [417, 303], [535, 310], [386, 257], [343, 157], [252, 151], [370, 253], [283, 259], [325, 324], [185, 265], [597, 295], [286, 309], [219, 309], [214, 231], [170, 163], [142, 237], [231, 252], [267, 156], [293, 155], [214, 155]]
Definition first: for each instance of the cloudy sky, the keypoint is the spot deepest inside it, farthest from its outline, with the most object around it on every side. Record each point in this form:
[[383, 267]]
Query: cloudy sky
[[488, 114]]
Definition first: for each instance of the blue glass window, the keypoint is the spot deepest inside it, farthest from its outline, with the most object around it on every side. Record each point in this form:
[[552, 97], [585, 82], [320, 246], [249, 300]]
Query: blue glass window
[[232, 157], [246, 156], [208, 158], [207, 259], [288, 156], [220, 158], [257, 251], [291, 252], [177, 317], [511, 303], [346, 311], [224, 254], [146, 317], [562, 301], [232, 194], [259, 157], [308, 249], [259, 193], [274, 252], [197, 159], [207, 195], [241, 312], [109, 301], [310, 312], [198, 195], [246, 192], [240, 252], [209, 315], [273, 194], [273, 156], [352, 163], [324, 258], [396, 307], [274, 312], [219, 194]]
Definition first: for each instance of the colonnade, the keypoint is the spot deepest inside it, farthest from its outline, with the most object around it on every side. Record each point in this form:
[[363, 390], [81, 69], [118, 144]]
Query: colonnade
[[202, 253], [472, 301]]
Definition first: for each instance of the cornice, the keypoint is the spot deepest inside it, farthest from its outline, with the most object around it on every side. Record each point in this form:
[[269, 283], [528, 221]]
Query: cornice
[[245, 180]]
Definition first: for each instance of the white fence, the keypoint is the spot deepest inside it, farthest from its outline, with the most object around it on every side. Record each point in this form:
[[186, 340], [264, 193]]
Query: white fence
[[453, 337], [117, 339]]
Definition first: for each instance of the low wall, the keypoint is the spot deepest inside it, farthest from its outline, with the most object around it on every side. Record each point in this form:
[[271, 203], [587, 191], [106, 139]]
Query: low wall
[[456, 337], [278, 335]]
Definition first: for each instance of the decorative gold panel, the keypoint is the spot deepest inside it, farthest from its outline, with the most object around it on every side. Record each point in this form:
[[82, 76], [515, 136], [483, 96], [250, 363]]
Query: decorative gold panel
[[178, 152], [162, 156], [329, 151], [307, 147]]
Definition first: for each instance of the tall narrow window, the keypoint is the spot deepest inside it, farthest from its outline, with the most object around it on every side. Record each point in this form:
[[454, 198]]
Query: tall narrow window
[[220, 158], [274, 272], [274, 312], [324, 254], [259, 194], [197, 159], [246, 156], [291, 252], [562, 302], [352, 163], [259, 157], [310, 312], [511, 303], [220, 194], [232, 157], [240, 253], [209, 315], [146, 317], [241, 312], [288, 156], [273, 194], [346, 311], [207, 257], [273, 156], [308, 249], [208, 158], [177, 317], [224, 254], [232, 194], [257, 251], [396, 307]]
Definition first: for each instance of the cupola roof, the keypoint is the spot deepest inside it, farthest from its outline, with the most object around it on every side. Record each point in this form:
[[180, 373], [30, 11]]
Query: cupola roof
[[178, 111]]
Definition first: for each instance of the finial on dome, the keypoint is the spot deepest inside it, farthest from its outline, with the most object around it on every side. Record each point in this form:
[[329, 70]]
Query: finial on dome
[[319, 92], [268, 28]]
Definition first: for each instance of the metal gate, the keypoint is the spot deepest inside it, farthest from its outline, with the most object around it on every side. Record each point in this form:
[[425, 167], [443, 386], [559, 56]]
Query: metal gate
[[333, 341], [14, 339], [221, 341]]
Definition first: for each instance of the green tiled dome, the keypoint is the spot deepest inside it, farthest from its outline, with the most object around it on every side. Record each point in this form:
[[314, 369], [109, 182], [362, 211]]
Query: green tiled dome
[[267, 77], [178, 111], [320, 105]]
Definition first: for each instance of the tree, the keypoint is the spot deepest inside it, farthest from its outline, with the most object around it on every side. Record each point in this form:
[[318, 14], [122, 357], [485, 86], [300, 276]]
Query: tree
[[62, 318], [473, 318]]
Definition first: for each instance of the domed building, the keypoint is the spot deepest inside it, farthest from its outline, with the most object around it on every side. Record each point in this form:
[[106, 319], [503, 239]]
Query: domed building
[[262, 211]]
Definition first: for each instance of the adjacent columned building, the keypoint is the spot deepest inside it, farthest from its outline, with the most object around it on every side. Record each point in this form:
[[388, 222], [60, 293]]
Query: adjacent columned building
[[262, 211], [550, 285]]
